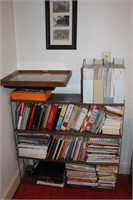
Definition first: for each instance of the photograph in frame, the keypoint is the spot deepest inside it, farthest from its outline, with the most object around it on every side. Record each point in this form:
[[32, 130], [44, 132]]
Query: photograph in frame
[[61, 24]]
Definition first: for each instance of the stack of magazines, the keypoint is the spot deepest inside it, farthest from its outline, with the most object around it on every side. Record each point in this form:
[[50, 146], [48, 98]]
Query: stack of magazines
[[81, 174]]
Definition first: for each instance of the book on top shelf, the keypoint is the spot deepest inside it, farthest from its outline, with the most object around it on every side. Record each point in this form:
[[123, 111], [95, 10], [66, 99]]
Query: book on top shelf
[[67, 116], [34, 109], [44, 122], [61, 117], [21, 115], [30, 94], [51, 116]]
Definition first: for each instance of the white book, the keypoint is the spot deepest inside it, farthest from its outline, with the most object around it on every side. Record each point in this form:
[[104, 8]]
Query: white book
[[80, 120], [50, 183], [32, 146]]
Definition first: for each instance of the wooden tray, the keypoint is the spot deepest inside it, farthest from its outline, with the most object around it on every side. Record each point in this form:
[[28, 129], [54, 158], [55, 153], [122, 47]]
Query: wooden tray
[[48, 79]]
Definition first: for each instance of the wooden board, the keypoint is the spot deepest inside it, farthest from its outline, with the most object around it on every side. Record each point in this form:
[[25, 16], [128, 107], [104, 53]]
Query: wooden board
[[37, 79]]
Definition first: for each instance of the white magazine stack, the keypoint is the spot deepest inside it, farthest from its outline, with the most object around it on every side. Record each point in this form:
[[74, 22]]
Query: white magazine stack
[[102, 83]]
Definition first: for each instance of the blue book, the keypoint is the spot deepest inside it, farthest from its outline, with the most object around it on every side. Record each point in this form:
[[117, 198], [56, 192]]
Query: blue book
[[69, 152]]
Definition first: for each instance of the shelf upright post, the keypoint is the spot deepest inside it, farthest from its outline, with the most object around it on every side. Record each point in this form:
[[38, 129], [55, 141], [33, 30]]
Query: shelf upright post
[[15, 138]]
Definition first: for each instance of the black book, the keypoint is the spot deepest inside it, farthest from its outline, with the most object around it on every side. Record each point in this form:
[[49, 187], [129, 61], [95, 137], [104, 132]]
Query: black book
[[36, 119], [42, 112], [50, 169], [31, 107], [57, 116]]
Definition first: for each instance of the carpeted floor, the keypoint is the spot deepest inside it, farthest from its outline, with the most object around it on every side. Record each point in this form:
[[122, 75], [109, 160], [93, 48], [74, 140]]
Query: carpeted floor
[[33, 191]]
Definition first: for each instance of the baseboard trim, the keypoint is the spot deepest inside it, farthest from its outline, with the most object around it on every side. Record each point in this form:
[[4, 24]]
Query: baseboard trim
[[124, 168], [14, 184], [12, 188]]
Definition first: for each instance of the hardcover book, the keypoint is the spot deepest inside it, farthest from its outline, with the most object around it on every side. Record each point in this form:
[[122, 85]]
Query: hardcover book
[[30, 94], [51, 116]]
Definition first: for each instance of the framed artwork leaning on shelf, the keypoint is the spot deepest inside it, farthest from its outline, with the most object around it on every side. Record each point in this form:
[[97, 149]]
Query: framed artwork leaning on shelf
[[61, 24]]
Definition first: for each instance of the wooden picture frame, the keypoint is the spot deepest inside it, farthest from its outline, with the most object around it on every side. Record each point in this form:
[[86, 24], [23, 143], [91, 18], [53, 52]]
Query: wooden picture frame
[[61, 24]]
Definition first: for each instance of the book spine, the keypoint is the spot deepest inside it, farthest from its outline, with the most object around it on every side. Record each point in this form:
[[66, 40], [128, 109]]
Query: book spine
[[80, 119], [51, 116], [67, 116], [62, 114], [32, 116], [21, 115], [46, 116], [76, 118], [27, 111]]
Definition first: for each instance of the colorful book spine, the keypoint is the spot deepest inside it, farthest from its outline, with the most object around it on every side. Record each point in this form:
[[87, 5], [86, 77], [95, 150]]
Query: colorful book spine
[[62, 114], [46, 116], [51, 117], [68, 127], [32, 116], [81, 118], [67, 116]]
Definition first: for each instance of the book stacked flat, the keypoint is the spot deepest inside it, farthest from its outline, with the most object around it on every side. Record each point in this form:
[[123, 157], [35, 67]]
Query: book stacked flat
[[106, 176], [30, 94], [33, 145], [113, 121], [81, 174], [102, 150], [52, 174]]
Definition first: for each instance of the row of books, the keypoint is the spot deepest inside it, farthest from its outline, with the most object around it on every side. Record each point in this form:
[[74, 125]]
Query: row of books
[[51, 147], [67, 147], [57, 147], [59, 174], [69, 116], [102, 84], [102, 150]]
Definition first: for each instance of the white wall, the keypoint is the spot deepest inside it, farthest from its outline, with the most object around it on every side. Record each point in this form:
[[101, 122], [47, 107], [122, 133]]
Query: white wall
[[102, 25], [8, 161]]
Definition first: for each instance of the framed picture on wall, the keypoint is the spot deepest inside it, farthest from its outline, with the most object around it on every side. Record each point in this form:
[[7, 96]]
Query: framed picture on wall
[[61, 24]]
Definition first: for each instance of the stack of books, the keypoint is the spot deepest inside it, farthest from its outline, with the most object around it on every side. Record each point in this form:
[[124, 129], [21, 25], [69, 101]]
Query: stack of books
[[81, 174], [106, 176], [113, 121], [49, 173], [102, 150], [33, 145]]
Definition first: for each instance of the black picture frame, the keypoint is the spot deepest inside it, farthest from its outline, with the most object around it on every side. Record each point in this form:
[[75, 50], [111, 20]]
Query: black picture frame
[[61, 24]]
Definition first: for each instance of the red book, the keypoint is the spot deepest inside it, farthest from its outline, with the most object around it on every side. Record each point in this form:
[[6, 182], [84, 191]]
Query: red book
[[32, 116], [51, 117]]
